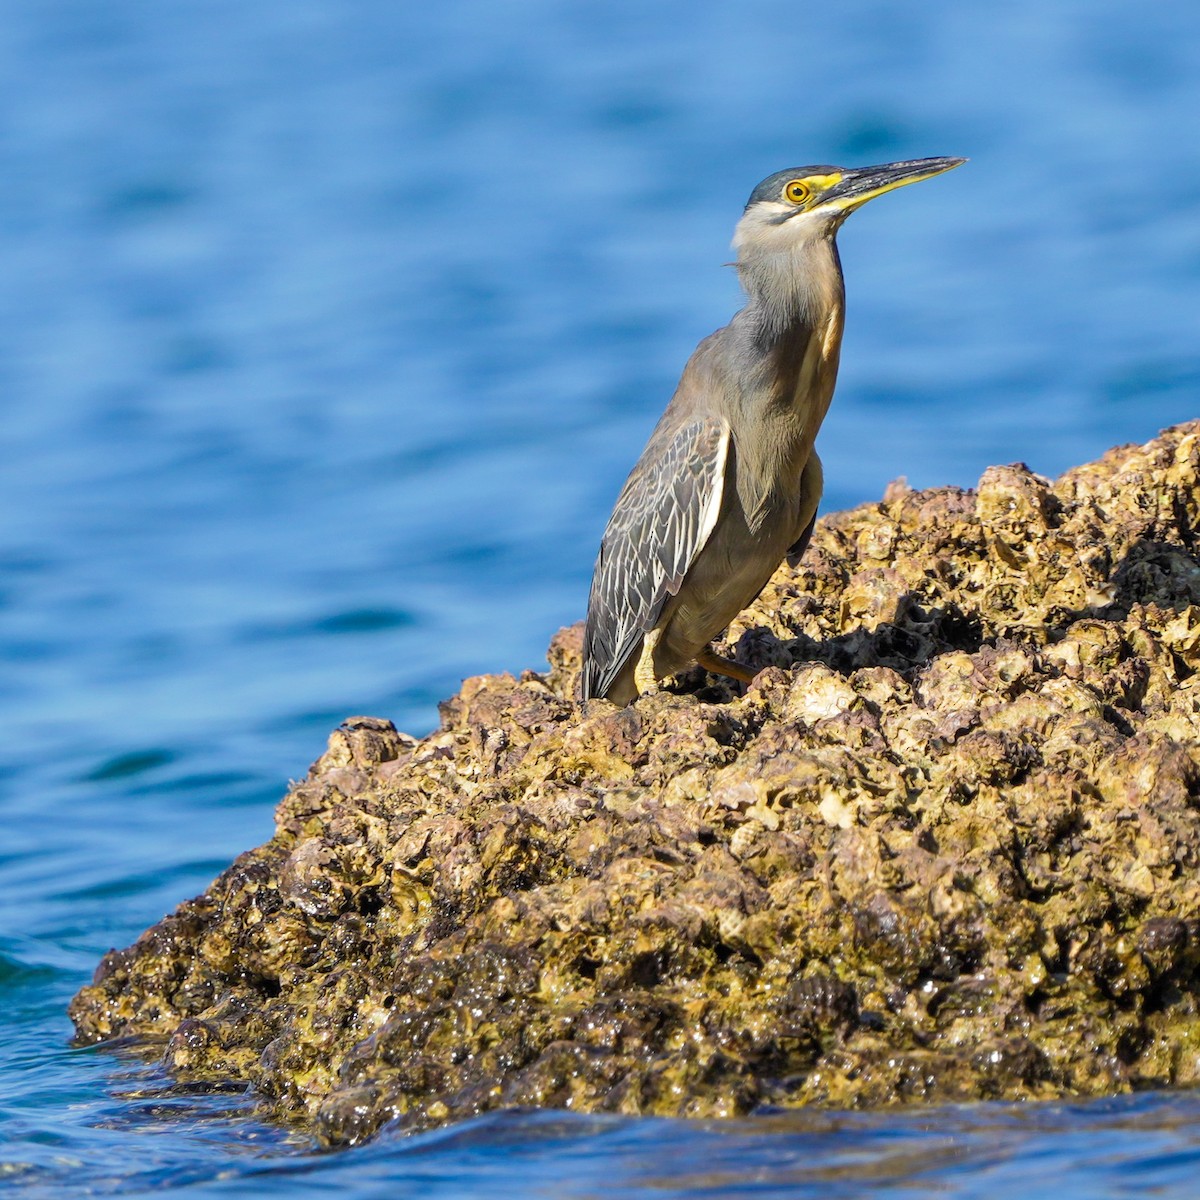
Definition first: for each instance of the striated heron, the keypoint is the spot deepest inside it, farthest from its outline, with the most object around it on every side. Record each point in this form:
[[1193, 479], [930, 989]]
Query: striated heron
[[728, 484]]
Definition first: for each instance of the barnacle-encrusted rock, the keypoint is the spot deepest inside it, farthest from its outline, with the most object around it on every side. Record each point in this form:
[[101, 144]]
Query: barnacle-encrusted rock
[[946, 846]]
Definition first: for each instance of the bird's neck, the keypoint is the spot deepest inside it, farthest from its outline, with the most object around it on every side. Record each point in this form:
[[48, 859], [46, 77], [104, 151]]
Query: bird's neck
[[793, 318], [793, 322], [792, 291]]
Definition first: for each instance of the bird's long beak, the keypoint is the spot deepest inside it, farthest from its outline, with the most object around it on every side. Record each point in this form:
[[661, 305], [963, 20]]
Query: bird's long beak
[[861, 184]]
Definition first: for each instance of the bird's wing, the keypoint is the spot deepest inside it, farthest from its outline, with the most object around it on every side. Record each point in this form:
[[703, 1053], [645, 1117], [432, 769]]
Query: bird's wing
[[662, 519]]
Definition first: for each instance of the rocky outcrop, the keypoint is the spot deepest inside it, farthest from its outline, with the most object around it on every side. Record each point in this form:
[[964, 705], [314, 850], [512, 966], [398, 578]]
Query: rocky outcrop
[[946, 846]]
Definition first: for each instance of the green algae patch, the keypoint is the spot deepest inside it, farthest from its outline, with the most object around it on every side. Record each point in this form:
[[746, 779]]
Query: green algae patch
[[945, 847]]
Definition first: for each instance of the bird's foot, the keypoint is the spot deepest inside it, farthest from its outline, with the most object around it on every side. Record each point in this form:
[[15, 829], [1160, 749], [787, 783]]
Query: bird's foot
[[644, 678], [710, 660]]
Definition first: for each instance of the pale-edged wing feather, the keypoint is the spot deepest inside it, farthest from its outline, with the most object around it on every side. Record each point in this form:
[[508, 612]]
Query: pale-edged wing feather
[[662, 519]]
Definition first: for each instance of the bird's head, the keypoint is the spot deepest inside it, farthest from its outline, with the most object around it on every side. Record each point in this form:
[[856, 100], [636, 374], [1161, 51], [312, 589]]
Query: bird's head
[[792, 207], [784, 241]]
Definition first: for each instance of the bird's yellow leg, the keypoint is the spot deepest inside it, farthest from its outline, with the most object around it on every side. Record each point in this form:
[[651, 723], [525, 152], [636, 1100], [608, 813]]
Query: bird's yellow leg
[[710, 660], [644, 678]]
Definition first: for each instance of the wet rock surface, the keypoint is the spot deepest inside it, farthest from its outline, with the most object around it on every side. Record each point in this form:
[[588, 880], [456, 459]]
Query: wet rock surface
[[946, 846]]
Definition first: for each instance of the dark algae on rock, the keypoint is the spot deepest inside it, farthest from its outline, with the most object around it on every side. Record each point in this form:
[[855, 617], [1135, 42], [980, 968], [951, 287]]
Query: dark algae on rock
[[945, 847]]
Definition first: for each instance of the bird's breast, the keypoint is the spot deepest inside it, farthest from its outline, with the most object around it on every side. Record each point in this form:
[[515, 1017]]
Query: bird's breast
[[777, 435], [815, 389]]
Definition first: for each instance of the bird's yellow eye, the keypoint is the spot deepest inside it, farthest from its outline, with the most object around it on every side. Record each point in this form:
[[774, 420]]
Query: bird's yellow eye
[[797, 192]]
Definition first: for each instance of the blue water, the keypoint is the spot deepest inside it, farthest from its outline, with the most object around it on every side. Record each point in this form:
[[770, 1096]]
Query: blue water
[[328, 331]]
